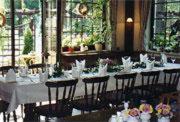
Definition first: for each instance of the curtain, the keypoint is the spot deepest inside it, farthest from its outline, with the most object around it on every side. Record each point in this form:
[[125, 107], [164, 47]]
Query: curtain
[[145, 6], [113, 4]]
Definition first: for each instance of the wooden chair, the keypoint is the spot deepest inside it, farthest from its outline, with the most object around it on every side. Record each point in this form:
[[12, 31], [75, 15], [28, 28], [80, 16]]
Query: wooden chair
[[36, 68], [167, 98], [94, 98], [124, 87], [61, 107], [171, 80], [4, 69], [4, 105], [148, 88]]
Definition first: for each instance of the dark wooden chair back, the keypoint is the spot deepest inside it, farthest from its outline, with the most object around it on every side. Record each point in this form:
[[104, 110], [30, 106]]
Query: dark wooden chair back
[[124, 85], [4, 69], [68, 87], [95, 94], [167, 98], [36, 68], [171, 79], [149, 82]]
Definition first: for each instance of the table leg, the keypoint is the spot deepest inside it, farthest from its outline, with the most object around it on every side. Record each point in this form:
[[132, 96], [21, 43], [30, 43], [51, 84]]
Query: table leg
[[29, 112]]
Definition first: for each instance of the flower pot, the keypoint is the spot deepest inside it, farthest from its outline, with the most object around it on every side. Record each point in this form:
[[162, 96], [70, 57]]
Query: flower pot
[[77, 48], [132, 119], [164, 119], [91, 47], [70, 49], [98, 47], [145, 117], [65, 49]]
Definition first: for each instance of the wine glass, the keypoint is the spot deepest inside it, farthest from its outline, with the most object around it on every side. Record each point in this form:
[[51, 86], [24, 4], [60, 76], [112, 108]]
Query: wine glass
[[173, 60]]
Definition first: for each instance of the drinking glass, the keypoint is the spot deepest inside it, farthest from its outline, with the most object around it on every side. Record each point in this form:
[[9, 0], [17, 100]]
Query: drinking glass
[[173, 60]]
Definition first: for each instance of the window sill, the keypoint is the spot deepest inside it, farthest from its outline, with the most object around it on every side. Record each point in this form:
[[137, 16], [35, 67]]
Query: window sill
[[79, 53], [168, 54]]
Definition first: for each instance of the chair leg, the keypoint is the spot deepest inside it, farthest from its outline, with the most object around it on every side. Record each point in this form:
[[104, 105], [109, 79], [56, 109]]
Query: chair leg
[[22, 110], [8, 116], [4, 116], [14, 116], [82, 112]]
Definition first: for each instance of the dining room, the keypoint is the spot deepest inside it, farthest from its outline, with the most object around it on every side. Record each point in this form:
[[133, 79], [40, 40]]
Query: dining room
[[90, 60]]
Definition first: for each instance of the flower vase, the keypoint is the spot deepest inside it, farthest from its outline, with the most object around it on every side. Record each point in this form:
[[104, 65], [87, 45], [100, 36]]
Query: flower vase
[[145, 117], [132, 119], [164, 119]]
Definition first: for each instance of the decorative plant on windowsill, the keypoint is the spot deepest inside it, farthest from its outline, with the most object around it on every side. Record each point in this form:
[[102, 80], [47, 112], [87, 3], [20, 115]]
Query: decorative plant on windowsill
[[98, 41], [159, 42]]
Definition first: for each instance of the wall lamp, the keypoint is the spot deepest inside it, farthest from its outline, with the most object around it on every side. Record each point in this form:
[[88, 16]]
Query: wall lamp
[[129, 20]]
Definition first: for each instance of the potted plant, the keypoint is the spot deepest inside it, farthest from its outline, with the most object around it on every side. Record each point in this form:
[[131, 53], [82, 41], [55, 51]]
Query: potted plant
[[65, 42], [159, 42], [146, 110], [133, 115], [164, 112], [98, 41]]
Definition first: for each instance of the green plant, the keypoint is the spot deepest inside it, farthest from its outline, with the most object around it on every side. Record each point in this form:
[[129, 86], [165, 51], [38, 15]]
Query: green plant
[[66, 41], [98, 38], [28, 41], [172, 44], [159, 41]]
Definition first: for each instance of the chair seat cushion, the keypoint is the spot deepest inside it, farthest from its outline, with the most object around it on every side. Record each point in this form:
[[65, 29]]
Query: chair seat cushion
[[3, 106], [64, 111], [80, 104]]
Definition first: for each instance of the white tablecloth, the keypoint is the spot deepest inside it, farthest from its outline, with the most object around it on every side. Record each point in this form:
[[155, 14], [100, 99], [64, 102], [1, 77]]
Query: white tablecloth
[[31, 91]]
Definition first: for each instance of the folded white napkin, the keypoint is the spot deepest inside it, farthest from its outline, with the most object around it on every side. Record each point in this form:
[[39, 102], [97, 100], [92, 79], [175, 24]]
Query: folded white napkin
[[80, 64], [102, 71], [10, 76], [150, 65], [128, 66], [126, 61], [164, 58], [43, 77], [76, 72], [143, 58]]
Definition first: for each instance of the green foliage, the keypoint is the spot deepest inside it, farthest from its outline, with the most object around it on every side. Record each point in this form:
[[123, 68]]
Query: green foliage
[[165, 44], [28, 41], [159, 41]]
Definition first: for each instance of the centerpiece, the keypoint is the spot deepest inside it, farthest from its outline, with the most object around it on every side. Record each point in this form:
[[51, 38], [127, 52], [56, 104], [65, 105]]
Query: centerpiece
[[133, 115], [164, 112], [57, 71], [112, 65], [146, 110]]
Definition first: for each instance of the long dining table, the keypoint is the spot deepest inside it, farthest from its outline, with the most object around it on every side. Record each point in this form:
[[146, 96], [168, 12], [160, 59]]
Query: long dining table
[[29, 90]]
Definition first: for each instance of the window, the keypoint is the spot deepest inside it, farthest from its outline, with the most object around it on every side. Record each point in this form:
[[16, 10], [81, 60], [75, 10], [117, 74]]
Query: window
[[27, 31], [166, 35], [81, 29]]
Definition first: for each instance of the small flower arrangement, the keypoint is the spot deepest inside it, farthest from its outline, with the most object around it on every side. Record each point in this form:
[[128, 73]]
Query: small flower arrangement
[[106, 61], [164, 110], [146, 108], [134, 112]]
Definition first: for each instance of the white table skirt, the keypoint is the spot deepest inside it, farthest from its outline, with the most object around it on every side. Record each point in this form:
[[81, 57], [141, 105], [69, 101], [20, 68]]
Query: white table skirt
[[25, 91]]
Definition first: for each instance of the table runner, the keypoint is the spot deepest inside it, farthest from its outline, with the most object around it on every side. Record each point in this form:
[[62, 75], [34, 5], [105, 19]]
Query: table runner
[[31, 90]]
